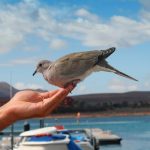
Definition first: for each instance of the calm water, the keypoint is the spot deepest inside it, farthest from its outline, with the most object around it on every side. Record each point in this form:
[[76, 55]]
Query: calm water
[[135, 131]]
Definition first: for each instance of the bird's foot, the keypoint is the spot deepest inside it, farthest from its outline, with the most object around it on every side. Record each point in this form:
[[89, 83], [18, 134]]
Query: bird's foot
[[73, 83]]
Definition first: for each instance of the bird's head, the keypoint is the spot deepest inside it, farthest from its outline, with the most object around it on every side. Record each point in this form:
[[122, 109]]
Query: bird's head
[[42, 66]]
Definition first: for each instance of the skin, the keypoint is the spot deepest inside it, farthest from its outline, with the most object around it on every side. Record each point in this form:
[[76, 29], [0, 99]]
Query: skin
[[31, 104]]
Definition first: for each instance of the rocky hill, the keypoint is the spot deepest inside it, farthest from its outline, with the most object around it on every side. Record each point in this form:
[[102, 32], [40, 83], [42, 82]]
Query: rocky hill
[[93, 102], [112, 102], [5, 91]]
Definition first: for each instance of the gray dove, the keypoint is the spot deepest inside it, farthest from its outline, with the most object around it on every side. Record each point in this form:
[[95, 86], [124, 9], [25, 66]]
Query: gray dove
[[75, 67]]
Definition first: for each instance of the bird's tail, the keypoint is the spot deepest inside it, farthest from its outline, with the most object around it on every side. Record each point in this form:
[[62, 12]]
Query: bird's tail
[[108, 67], [106, 53]]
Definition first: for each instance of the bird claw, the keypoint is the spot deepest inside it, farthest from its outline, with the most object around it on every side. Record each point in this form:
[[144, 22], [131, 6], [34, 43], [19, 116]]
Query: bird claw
[[72, 83]]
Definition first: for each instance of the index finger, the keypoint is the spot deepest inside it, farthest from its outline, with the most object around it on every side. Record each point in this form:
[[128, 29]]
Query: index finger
[[57, 97], [48, 94]]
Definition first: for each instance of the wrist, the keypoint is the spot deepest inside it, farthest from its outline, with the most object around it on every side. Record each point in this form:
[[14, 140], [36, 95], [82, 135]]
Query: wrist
[[6, 117]]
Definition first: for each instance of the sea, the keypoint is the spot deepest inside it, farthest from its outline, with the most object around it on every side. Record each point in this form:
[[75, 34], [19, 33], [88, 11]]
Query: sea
[[134, 130]]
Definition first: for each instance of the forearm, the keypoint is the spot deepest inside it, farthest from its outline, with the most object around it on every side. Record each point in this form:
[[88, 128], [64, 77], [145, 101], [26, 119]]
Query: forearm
[[6, 118]]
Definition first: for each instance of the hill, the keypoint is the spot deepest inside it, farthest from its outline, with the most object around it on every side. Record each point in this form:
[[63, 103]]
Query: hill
[[5, 91], [129, 101]]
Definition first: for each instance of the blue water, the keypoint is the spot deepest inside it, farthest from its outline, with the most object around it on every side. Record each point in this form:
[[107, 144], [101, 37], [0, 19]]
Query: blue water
[[134, 130]]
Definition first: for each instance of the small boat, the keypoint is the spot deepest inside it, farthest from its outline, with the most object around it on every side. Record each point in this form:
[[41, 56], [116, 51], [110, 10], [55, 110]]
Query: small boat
[[52, 138], [80, 138]]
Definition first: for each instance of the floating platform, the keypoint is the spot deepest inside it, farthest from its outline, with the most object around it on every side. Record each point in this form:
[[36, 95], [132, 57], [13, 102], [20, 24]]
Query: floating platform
[[103, 137]]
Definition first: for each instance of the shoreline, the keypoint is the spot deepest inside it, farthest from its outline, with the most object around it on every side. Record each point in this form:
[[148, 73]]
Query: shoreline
[[98, 114]]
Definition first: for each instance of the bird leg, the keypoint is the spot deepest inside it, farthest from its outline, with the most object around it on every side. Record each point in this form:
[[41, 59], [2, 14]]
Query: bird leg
[[73, 83]]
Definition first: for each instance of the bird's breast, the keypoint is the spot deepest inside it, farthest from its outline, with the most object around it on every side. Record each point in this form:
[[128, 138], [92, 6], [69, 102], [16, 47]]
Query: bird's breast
[[54, 78]]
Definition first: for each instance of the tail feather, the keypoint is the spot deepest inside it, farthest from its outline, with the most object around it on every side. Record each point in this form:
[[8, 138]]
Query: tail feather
[[105, 65], [124, 75], [107, 52]]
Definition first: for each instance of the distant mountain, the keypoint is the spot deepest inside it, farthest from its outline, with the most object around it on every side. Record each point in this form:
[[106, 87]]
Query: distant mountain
[[5, 91], [93, 102], [130, 101]]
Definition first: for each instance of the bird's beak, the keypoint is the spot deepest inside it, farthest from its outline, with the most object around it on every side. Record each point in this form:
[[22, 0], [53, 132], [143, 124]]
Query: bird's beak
[[34, 72]]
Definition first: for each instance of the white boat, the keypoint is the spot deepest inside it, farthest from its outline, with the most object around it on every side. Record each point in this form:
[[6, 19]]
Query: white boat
[[80, 138], [50, 138]]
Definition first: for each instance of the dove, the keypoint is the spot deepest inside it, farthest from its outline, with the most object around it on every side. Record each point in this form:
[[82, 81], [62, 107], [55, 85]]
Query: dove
[[75, 67]]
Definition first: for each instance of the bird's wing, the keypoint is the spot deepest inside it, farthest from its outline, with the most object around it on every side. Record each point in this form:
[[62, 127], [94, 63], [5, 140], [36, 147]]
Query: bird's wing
[[77, 64]]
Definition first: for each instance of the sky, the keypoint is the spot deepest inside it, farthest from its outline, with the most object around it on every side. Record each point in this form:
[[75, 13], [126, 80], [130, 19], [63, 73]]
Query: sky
[[32, 30]]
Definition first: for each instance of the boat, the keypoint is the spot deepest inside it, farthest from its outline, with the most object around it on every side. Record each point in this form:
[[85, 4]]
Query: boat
[[53, 138], [81, 139]]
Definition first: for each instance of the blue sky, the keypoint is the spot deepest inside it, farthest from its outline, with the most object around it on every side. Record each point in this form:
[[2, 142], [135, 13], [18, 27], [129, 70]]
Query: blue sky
[[32, 30]]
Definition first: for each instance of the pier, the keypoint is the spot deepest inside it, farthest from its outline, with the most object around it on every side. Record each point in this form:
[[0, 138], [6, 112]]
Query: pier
[[103, 137], [98, 137]]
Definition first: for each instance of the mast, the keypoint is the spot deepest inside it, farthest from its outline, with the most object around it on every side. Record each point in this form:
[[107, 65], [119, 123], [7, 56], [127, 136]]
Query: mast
[[12, 126]]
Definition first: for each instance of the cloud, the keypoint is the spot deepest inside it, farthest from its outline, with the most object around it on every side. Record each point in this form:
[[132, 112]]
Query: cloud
[[84, 14], [20, 61], [146, 83], [58, 44], [23, 61], [117, 85], [5, 64], [52, 26], [21, 86], [145, 4], [81, 89]]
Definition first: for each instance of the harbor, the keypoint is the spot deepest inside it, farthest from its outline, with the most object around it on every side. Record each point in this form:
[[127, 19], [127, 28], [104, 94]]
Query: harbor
[[87, 139], [130, 128], [74, 75], [103, 137]]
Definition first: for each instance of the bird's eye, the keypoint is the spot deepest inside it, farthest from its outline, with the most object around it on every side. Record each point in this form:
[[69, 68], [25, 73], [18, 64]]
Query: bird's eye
[[40, 65]]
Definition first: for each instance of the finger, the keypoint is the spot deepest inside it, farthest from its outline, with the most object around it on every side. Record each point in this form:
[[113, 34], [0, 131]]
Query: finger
[[60, 94], [55, 99], [48, 94], [51, 93], [52, 103], [70, 87]]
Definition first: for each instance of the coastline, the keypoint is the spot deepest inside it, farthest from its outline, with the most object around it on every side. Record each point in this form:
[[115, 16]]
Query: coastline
[[100, 114]]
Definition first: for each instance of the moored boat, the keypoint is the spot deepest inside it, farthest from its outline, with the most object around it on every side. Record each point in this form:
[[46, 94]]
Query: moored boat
[[52, 138]]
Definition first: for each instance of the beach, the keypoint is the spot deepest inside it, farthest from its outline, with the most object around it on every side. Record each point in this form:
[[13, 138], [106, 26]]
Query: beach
[[101, 114]]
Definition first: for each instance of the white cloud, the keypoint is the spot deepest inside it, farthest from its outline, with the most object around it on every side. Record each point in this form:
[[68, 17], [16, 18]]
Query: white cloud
[[58, 44], [21, 86], [145, 3], [23, 61], [20, 61], [146, 82], [84, 14], [28, 17], [81, 89], [117, 85], [5, 64]]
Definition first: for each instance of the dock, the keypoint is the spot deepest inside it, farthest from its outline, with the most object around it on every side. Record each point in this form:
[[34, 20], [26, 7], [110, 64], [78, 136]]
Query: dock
[[103, 137], [7, 133], [98, 137]]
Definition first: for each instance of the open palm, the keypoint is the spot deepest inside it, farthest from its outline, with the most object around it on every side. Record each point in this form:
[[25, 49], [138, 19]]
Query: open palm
[[29, 104]]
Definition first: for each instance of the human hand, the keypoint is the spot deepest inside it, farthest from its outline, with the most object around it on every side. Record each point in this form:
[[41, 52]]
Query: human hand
[[30, 104]]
